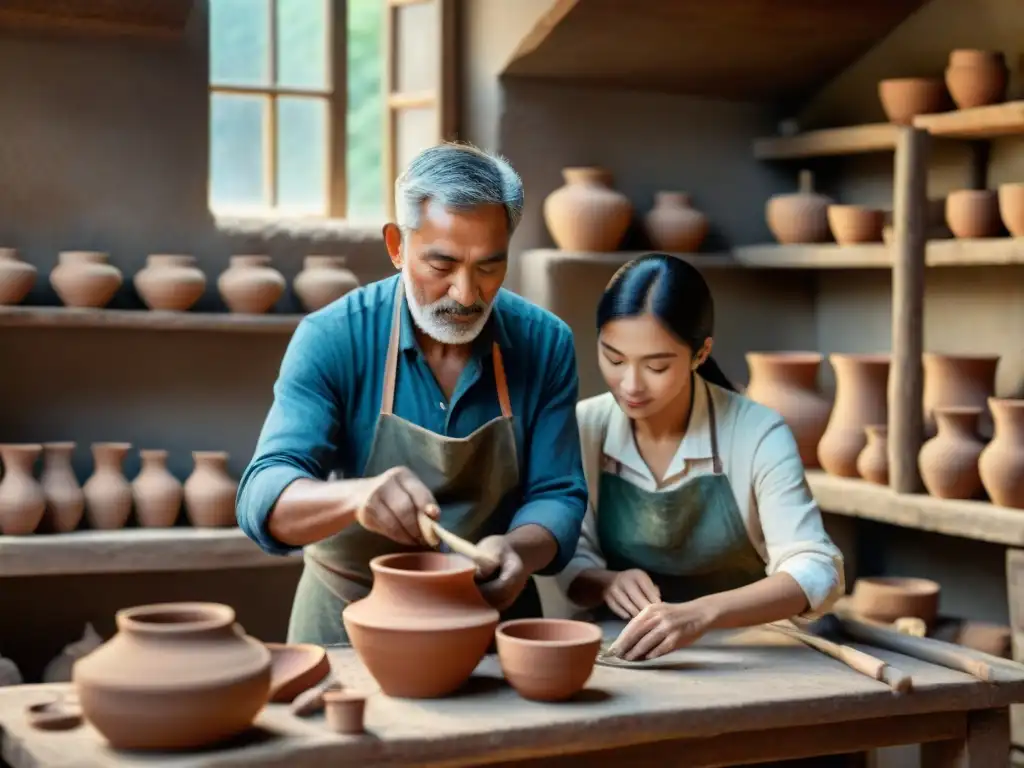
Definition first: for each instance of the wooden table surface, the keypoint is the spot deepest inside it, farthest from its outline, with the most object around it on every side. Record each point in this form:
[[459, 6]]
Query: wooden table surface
[[786, 700]]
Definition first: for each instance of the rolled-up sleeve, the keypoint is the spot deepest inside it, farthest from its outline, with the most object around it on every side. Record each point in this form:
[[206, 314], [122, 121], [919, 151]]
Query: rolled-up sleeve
[[299, 434]]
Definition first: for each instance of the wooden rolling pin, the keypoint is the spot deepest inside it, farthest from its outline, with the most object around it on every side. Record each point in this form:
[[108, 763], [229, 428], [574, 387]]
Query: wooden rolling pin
[[435, 534]]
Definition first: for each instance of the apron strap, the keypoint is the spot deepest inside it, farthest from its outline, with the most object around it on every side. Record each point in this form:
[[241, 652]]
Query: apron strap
[[716, 461]]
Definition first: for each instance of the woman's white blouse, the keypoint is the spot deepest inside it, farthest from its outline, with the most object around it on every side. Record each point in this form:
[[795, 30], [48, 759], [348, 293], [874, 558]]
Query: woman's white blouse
[[762, 463]]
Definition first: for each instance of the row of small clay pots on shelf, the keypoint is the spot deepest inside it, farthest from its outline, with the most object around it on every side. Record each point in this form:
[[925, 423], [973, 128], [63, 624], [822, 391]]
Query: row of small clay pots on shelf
[[56, 503], [173, 282], [847, 438]]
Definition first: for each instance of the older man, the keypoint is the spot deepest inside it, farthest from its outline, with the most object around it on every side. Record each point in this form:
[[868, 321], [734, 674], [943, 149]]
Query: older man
[[432, 391]]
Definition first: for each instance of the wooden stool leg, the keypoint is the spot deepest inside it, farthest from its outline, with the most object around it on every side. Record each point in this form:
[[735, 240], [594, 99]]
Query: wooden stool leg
[[987, 743]]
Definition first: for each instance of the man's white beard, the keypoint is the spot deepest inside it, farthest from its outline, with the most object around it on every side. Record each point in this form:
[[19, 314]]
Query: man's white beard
[[437, 324]]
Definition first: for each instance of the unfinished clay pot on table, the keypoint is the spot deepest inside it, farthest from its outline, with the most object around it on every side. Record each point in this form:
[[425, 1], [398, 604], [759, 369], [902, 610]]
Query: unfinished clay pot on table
[[210, 491], [250, 285], [156, 492], [294, 668], [170, 282], [799, 217], [873, 460], [674, 225], [85, 279], [976, 78], [22, 502], [1011, 207], [65, 501], [904, 98], [547, 659], [958, 380], [175, 676], [861, 399], [323, 279], [586, 213], [887, 599], [424, 626], [948, 462], [16, 277], [855, 224], [1001, 464], [972, 213], [108, 494]]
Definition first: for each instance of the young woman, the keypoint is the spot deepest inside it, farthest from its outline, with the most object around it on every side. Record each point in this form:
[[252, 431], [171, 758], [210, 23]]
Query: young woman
[[699, 516]]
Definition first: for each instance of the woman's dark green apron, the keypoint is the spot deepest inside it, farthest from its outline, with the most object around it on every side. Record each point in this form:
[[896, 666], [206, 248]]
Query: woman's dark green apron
[[470, 478]]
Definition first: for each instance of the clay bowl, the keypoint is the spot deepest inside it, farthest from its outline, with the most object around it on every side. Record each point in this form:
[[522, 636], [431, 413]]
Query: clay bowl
[[295, 668], [547, 659], [886, 599], [855, 224], [904, 98]]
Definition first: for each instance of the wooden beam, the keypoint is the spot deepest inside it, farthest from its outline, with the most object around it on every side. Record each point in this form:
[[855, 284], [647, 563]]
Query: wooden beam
[[990, 122], [852, 140], [145, 320]]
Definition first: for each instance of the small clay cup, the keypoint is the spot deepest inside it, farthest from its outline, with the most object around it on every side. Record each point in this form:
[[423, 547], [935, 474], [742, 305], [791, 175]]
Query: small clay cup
[[547, 659], [855, 224], [886, 599], [904, 98], [344, 710], [973, 213]]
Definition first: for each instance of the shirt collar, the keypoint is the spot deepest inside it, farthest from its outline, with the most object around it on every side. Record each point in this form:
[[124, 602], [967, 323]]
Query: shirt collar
[[493, 330]]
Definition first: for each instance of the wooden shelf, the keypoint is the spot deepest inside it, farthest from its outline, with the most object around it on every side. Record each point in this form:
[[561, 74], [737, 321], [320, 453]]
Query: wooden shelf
[[853, 140], [985, 252], [143, 319], [815, 256], [617, 258], [132, 550], [151, 18], [977, 123], [977, 520]]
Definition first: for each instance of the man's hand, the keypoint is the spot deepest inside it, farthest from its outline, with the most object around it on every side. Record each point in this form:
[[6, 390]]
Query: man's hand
[[505, 587], [389, 504], [630, 592], [662, 628]]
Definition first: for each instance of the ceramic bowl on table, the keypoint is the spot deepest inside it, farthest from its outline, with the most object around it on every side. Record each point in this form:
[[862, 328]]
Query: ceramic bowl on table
[[547, 659]]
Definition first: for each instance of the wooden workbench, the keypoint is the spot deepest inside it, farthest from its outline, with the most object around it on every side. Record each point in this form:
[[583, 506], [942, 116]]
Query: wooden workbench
[[734, 698]]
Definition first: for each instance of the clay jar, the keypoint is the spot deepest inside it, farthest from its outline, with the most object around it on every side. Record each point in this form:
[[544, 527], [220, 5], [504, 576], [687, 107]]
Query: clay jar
[[323, 279], [170, 282], [949, 461], [85, 279], [976, 78], [175, 676], [210, 491], [156, 492], [16, 277], [108, 495], [674, 225], [861, 399], [973, 213], [958, 380], [786, 382], [887, 599], [250, 285], [1011, 207], [855, 224], [424, 626], [904, 98], [799, 217], [873, 460], [65, 501], [22, 503], [586, 214], [1001, 464], [547, 659]]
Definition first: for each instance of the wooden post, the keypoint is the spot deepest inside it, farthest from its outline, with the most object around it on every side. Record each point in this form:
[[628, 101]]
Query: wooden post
[[906, 376]]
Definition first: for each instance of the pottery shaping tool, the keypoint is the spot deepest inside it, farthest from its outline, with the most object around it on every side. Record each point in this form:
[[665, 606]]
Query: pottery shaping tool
[[434, 534]]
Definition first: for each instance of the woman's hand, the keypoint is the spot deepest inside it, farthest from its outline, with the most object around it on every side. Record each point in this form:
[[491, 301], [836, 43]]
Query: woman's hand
[[662, 628], [630, 592]]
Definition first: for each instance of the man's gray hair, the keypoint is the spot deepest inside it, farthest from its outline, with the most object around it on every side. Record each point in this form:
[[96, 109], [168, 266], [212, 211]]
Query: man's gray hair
[[459, 177]]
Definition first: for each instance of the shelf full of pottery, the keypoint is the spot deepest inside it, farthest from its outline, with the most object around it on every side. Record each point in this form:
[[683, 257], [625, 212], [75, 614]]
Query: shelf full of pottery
[[54, 502], [974, 442]]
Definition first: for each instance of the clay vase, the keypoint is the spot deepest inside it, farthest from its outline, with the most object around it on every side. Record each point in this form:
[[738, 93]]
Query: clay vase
[[175, 676], [873, 460], [1011, 207], [170, 282], [958, 380], [786, 382], [799, 217], [855, 224], [1001, 464], [586, 214], [16, 277], [674, 225], [22, 503], [904, 98], [323, 279], [976, 78], [210, 491], [65, 501], [948, 462], [424, 626], [861, 399], [108, 495], [156, 492], [973, 213], [250, 285], [85, 279]]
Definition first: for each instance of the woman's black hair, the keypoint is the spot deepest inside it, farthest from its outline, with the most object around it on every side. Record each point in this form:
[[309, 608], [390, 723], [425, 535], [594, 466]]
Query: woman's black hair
[[675, 293]]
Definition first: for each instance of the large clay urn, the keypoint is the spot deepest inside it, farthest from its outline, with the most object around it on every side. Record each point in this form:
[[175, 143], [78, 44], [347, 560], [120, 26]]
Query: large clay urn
[[22, 503], [16, 277], [958, 380], [1011, 207], [976, 78], [175, 676], [1001, 464], [973, 213], [108, 495], [210, 491], [787, 383], [65, 501], [586, 214], [424, 626], [250, 285], [873, 460], [323, 279], [674, 225], [948, 462], [85, 279], [799, 217], [170, 282], [861, 399], [156, 492]]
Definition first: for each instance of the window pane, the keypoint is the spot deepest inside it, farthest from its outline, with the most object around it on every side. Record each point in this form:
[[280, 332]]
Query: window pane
[[239, 42], [417, 41], [302, 43], [302, 154], [236, 150], [365, 134]]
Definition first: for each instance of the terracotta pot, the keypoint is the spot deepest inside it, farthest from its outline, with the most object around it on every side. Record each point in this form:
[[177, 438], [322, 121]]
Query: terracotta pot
[[85, 279], [210, 491], [424, 626], [16, 277], [855, 224], [887, 599], [904, 98], [873, 460], [799, 217], [949, 461], [861, 399], [175, 676], [322, 280], [674, 225], [250, 285], [22, 503], [65, 501], [786, 382], [994, 639], [294, 668], [973, 213], [547, 659], [1001, 464], [976, 78], [170, 282], [156, 492], [958, 380], [586, 214], [108, 495], [1011, 207]]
